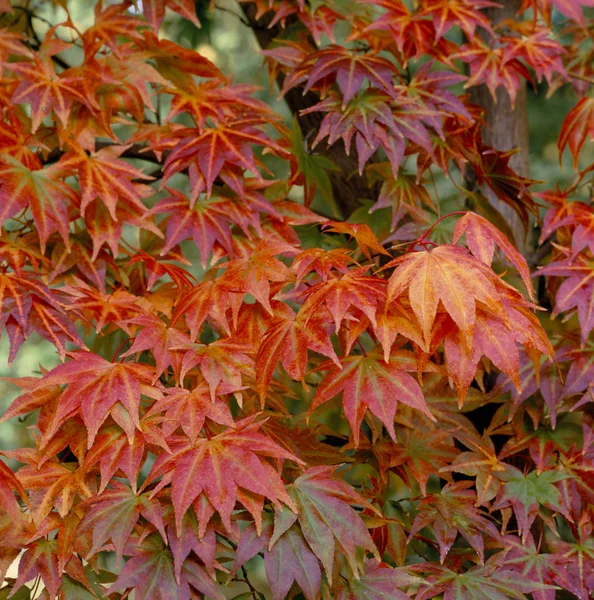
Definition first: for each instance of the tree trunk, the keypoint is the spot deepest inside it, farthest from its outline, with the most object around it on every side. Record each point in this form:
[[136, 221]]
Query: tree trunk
[[348, 187], [506, 127]]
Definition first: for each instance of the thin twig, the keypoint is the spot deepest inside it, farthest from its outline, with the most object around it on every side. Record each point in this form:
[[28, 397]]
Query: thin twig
[[246, 580], [581, 77], [232, 12]]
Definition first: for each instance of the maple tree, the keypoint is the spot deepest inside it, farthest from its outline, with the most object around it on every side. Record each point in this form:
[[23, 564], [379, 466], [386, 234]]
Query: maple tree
[[278, 342]]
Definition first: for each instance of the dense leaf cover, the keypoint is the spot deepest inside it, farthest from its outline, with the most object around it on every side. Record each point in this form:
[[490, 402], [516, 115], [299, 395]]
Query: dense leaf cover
[[376, 412]]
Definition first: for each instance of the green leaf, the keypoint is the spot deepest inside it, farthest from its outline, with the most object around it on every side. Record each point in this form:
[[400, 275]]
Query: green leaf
[[23, 594], [73, 589], [525, 493], [328, 522], [478, 583], [314, 169]]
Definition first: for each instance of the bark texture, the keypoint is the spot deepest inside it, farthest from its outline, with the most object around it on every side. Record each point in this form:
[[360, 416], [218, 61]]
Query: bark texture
[[506, 127], [348, 187]]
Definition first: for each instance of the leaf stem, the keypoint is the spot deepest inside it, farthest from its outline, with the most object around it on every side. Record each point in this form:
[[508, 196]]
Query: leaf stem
[[422, 241], [361, 346], [119, 348], [581, 77]]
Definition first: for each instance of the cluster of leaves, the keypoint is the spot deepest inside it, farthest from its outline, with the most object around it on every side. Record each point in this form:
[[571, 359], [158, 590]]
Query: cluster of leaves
[[370, 421]]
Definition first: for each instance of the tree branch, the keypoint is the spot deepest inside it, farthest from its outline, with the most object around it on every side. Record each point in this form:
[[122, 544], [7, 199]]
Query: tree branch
[[137, 151]]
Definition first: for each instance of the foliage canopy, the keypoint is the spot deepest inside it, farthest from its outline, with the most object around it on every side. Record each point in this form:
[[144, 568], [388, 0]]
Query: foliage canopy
[[373, 401]]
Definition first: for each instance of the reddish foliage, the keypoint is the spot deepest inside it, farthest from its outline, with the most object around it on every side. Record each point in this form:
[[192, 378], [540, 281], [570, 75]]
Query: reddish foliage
[[319, 405]]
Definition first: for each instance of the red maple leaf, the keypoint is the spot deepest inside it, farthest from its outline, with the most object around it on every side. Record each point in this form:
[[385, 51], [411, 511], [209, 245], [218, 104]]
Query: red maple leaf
[[368, 382]]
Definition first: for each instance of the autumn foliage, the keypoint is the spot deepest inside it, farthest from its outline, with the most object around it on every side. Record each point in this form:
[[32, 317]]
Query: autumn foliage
[[387, 403]]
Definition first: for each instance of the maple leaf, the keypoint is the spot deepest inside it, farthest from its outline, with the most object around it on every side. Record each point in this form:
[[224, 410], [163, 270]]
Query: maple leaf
[[195, 469], [90, 304], [95, 385], [414, 35], [206, 222], [419, 452], [207, 299], [303, 441], [28, 304], [287, 557], [464, 14], [363, 235], [12, 43], [102, 229], [392, 320], [379, 582], [572, 8], [453, 511], [151, 570], [176, 62], [190, 409], [210, 102], [17, 139], [403, 194], [339, 295], [154, 11], [368, 382], [482, 236], [560, 211], [115, 450], [446, 274], [290, 559], [492, 338], [253, 272], [40, 559], [489, 65], [207, 153], [42, 192], [45, 91], [581, 371], [482, 464], [575, 576], [156, 270], [160, 339], [110, 23], [322, 262], [577, 291], [478, 583], [577, 126], [114, 514], [327, 521], [524, 558], [287, 341], [53, 485], [349, 70], [376, 121], [79, 258], [9, 484], [526, 492], [192, 539], [537, 49], [103, 175], [223, 365]]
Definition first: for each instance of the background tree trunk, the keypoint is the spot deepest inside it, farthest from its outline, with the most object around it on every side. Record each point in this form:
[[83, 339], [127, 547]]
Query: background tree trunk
[[348, 187], [506, 128]]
